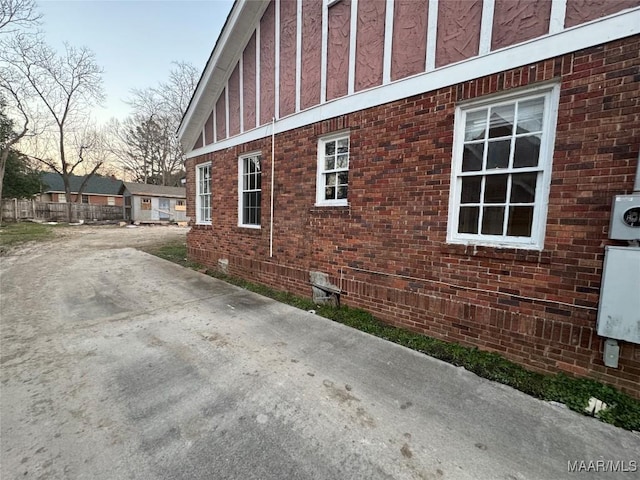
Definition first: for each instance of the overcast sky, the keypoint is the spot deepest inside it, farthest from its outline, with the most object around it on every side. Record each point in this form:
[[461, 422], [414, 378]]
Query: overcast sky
[[135, 41]]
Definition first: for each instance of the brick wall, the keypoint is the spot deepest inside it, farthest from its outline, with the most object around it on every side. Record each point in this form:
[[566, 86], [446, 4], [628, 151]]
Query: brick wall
[[388, 249], [93, 199]]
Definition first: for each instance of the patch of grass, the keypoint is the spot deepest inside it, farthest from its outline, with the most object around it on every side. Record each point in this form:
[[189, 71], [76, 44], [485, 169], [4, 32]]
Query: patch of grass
[[12, 234], [175, 252], [623, 410]]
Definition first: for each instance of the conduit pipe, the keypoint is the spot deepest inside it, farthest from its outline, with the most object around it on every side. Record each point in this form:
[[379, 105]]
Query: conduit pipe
[[636, 185], [461, 287], [273, 163]]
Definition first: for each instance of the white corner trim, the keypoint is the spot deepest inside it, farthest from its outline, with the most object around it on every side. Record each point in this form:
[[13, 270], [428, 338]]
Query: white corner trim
[[486, 26], [558, 14], [353, 45], [226, 110], [276, 77], [241, 82], [258, 75], [298, 52], [576, 38], [432, 35], [388, 42], [324, 53]]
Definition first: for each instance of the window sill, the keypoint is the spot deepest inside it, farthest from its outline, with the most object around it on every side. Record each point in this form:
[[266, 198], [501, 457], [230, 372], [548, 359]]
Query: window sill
[[251, 227], [330, 209], [503, 253], [331, 205]]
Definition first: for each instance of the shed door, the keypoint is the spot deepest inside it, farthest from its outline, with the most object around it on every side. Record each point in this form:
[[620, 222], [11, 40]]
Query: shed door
[[163, 209]]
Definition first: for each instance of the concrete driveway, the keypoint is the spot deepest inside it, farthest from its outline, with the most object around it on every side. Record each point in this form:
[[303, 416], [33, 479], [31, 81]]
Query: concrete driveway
[[119, 365]]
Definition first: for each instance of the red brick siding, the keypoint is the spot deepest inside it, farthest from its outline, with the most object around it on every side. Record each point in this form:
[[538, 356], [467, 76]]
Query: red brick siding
[[93, 199], [396, 223]]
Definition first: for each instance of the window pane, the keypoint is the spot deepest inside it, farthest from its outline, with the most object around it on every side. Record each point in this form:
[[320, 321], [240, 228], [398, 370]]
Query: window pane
[[343, 145], [343, 178], [501, 121], [343, 161], [330, 148], [468, 220], [498, 154], [492, 220], [527, 152], [330, 193], [329, 163], [471, 189], [523, 187], [258, 199], [472, 157], [245, 208], [251, 209], [330, 179], [342, 192], [476, 125], [520, 221], [495, 189], [530, 115]]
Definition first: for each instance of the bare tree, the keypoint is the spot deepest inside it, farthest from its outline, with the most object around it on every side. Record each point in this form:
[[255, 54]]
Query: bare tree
[[65, 86], [8, 135], [14, 118], [176, 93], [17, 14], [145, 142]]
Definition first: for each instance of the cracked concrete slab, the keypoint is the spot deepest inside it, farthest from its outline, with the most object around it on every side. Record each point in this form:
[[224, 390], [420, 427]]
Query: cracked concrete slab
[[116, 364]]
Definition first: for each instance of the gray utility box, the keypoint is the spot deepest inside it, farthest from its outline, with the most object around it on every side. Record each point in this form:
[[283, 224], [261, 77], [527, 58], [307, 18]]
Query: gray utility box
[[619, 310], [625, 217]]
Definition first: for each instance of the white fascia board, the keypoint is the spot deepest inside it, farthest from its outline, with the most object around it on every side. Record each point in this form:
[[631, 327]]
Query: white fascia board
[[244, 15], [599, 31]]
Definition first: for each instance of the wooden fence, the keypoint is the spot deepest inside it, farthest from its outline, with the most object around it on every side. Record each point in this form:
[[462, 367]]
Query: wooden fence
[[16, 210]]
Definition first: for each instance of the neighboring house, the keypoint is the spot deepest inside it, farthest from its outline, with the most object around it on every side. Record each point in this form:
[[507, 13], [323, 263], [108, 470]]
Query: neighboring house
[[98, 190], [154, 203], [448, 165]]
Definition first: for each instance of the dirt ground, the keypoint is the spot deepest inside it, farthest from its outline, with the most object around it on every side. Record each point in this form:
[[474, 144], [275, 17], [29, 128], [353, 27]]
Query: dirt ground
[[104, 236]]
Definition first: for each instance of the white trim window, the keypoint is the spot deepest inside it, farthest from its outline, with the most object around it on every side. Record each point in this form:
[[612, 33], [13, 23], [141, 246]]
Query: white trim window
[[249, 190], [501, 170], [203, 194], [332, 182]]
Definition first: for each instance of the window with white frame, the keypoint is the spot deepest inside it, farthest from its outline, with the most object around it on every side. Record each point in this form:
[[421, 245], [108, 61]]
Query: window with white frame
[[502, 168], [203, 194], [111, 201], [333, 170], [249, 190]]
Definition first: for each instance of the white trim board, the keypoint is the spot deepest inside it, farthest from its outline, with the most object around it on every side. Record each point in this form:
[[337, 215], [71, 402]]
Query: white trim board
[[599, 31], [237, 27]]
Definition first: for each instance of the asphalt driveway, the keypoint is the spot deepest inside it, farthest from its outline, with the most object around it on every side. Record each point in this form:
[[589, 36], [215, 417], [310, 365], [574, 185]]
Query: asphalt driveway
[[118, 365]]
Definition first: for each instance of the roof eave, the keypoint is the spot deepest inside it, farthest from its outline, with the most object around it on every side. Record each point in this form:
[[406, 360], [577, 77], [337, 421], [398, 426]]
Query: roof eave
[[228, 49]]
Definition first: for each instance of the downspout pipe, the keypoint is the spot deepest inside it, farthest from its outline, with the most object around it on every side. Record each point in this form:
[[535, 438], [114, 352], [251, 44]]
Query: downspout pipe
[[273, 163]]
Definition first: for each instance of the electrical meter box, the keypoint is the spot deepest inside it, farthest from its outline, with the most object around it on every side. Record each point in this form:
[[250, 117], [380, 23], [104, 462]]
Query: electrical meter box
[[619, 309], [625, 217]]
